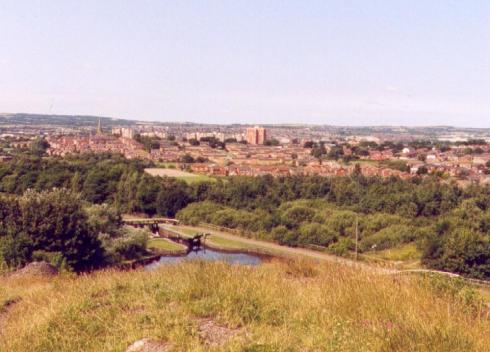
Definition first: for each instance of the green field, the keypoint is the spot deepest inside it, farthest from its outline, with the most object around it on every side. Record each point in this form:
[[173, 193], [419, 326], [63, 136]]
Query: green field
[[403, 257], [166, 165], [165, 245], [228, 244], [196, 178], [188, 177], [402, 253]]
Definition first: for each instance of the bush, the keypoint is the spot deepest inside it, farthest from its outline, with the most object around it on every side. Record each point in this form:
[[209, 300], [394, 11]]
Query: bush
[[462, 251], [316, 234], [195, 213], [342, 246], [296, 215], [388, 237], [131, 244], [53, 222], [283, 236]]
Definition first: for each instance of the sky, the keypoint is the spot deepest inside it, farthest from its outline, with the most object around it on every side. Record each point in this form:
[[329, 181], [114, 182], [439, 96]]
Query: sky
[[339, 62]]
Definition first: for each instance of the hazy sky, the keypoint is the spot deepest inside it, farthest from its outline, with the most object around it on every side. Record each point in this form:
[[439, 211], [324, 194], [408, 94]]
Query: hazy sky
[[328, 62]]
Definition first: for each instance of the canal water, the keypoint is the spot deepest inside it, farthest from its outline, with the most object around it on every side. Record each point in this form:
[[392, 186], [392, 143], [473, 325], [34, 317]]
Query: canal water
[[211, 255]]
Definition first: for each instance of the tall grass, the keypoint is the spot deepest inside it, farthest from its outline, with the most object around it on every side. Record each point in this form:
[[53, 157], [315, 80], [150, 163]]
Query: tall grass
[[293, 306]]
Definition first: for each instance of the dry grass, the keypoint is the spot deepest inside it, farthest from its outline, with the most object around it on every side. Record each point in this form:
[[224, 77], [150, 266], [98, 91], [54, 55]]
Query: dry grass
[[276, 307]]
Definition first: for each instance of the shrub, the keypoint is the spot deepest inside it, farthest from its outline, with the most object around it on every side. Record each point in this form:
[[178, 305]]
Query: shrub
[[390, 236], [316, 234]]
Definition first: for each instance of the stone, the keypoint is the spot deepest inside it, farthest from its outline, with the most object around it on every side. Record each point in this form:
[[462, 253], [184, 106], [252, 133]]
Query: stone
[[148, 345]]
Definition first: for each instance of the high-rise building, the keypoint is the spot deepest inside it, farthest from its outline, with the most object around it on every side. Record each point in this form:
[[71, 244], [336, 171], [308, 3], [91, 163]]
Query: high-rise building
[[127, 133], [256, 135], [261, 135]]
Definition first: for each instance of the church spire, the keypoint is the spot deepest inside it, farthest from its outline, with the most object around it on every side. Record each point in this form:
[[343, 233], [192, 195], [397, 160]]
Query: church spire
[[99, 127]]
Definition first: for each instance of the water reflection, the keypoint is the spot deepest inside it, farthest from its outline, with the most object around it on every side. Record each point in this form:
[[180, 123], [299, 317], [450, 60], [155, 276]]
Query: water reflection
[[211, 255]]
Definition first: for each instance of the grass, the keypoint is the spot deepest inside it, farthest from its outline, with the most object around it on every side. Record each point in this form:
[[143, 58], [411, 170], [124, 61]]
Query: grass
[[403, 253], [196, 178], [485, 293], [182, 231], [295, 306], [166, 165], [227, 243], [404, 257], [188, 177], [165, 245]]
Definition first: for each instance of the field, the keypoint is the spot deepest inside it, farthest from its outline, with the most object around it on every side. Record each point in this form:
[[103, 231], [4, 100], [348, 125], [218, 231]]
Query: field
[[179, 174], [294, 306], [406, 256], [165, 245]]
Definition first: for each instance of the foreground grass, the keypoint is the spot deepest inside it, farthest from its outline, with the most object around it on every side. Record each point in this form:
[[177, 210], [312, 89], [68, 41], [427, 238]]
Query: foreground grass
[[277, 306]]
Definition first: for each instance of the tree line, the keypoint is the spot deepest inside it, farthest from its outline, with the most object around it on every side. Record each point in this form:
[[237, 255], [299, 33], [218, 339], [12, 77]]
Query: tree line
[[450, 225]]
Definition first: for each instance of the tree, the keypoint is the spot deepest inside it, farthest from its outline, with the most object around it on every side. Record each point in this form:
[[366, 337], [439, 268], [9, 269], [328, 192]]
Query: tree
[[296, 215], [335, 153], [187, 159], [172, 198], [52, 222], [317, 234], [463, 251], [146, 195], [318, 151], [39, 146], [95, 187], [272, 142], [422, 170]]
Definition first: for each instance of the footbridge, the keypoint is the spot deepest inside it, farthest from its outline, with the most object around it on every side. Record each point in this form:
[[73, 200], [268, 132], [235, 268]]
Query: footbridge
[[151, 223], [191, 242]]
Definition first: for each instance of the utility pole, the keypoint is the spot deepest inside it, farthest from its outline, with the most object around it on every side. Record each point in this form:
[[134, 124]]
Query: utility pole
[[357, 214], [357, 233]]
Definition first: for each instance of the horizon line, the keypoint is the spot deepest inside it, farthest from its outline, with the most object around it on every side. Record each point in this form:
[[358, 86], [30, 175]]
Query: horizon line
[[2, 114]]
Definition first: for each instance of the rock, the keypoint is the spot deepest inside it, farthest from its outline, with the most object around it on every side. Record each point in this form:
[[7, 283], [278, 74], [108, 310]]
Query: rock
[[148, 345], [213, 335], [37, 269]]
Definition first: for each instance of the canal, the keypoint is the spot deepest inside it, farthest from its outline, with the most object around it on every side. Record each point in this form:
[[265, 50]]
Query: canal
[[209, 255]]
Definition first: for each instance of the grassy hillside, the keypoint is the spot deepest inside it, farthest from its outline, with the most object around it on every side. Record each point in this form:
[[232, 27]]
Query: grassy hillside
[[274, 307]]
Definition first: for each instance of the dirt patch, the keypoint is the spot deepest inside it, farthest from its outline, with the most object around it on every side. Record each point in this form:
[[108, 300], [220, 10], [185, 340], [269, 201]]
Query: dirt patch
[[169, 172], [213, 334], [148, 345], [5, 306], [36, 269]]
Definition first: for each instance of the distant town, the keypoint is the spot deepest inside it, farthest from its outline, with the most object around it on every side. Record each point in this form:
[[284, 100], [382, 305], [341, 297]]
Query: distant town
[[226, 150]]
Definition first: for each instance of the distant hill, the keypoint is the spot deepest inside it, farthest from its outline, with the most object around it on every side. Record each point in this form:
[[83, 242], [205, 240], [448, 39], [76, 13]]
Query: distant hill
[[61, 120]]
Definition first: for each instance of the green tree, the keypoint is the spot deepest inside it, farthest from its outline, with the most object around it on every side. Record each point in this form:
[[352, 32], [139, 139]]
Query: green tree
[[51, 222]]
